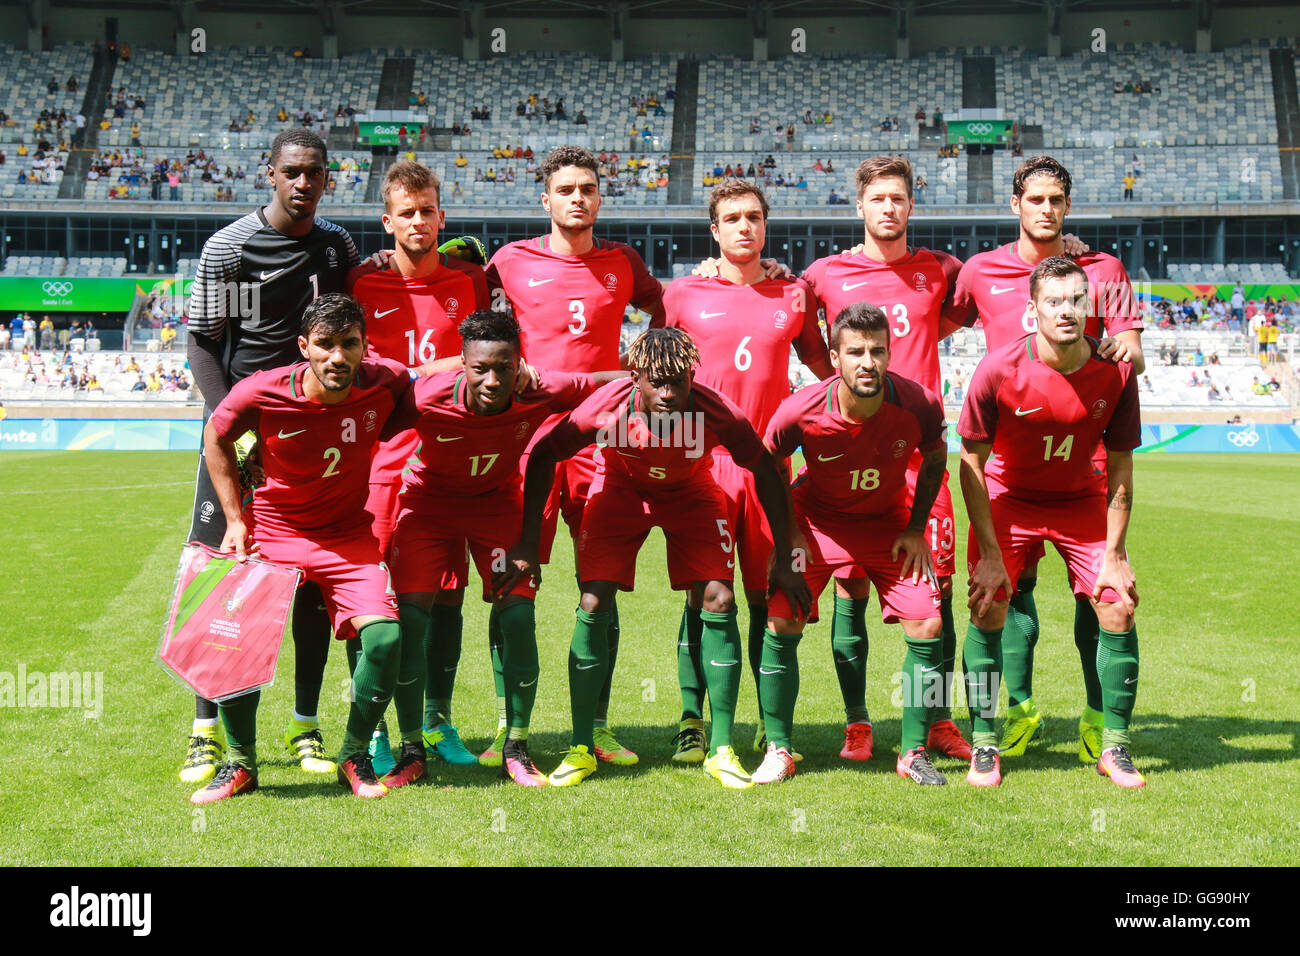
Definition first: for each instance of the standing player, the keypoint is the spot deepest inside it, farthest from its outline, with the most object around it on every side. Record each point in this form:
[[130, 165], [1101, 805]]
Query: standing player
[[415, 307], [744, 324], [914, 287], [656, 430], [996, 283], [467, 486], [858, 431], [569, 291], [1042, 404], [255, 278], [317, 423]]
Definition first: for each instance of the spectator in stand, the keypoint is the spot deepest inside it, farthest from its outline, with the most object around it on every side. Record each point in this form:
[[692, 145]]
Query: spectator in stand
[[47, 333], [919, 188], [1129, 180], [580, 119]]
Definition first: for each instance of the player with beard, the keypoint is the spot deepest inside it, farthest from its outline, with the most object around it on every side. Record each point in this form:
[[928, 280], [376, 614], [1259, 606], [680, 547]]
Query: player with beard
[[414, 308], [255, 278], [1043, 404], [996, 284], [915, 288]]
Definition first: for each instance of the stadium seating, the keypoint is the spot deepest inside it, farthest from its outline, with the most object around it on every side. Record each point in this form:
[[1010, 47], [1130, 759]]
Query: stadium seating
[[859, 92], [192, 100], [600, 89], [1250, 272], [20, 265], [115, 383], [1171, 174], [1073, 97], [945, 178]]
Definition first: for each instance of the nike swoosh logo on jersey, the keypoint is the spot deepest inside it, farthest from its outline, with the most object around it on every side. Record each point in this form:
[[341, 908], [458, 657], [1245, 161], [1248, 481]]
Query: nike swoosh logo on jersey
[[281, 434], [452, 438], [849, 288], [994, 290], [533, 282], [710, 315], [380, 315], [831, 458], [1022, 413], [271, 275]]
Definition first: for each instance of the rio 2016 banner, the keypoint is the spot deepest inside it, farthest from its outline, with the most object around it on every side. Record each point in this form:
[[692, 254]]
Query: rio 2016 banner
[[387, 133], [996, 132], [80, 293]]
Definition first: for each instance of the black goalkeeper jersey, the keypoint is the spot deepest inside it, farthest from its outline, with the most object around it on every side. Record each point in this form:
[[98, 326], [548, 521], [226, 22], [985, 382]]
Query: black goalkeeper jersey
[[254, 283]]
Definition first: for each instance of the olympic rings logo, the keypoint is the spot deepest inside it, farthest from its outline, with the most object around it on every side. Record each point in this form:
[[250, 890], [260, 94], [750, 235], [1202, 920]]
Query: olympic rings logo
[[979, 128], [57, 288], [1244, 439]]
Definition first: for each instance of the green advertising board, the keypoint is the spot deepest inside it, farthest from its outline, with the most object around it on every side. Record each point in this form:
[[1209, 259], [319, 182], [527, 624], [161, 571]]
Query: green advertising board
[[1176, 292], [81, 293], [386, 133], [995, 132]]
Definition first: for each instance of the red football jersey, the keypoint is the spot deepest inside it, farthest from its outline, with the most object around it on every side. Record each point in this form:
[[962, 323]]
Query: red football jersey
[[857, 468], [744, 333], [414, 321], [570, 308], [317, 457], [460, 452], [1044, 425], [915, 292], [651, 456], [996, 284]]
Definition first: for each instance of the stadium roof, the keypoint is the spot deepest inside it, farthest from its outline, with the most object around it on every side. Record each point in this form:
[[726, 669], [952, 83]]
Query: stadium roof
[[654, 8]]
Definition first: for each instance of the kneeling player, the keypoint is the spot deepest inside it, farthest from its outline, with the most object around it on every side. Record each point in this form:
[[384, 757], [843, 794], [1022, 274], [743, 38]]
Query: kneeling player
[[463, 485], [318, 423], [858, 431], [1043, 404], [656, 430]]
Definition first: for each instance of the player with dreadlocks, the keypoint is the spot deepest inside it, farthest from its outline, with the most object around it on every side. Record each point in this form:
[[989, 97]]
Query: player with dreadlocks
[[656, 430]]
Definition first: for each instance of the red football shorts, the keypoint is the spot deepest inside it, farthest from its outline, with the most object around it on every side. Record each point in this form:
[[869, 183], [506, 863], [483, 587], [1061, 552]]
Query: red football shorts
[[1076, 527], [346, 567], [745, 518], [694, 520], [430, 540], [863, 544], [383, 505]]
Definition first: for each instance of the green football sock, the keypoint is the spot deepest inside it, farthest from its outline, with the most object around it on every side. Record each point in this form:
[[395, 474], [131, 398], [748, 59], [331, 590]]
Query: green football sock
[[240, 719], [981, 659], [1019, 637], [353, 647], [948, 648], [1086, 630], [408, 697], [498, 672], [519, 663], [1117, 666], [372, 684], [588, 657], [690, 668], [849, 647], [754, 646], [602, 701], [921, 687], [779, 685], [720, 652], [442, 645]]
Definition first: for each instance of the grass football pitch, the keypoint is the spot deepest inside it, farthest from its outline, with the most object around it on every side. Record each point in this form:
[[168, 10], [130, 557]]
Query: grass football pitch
[[91, 551]]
